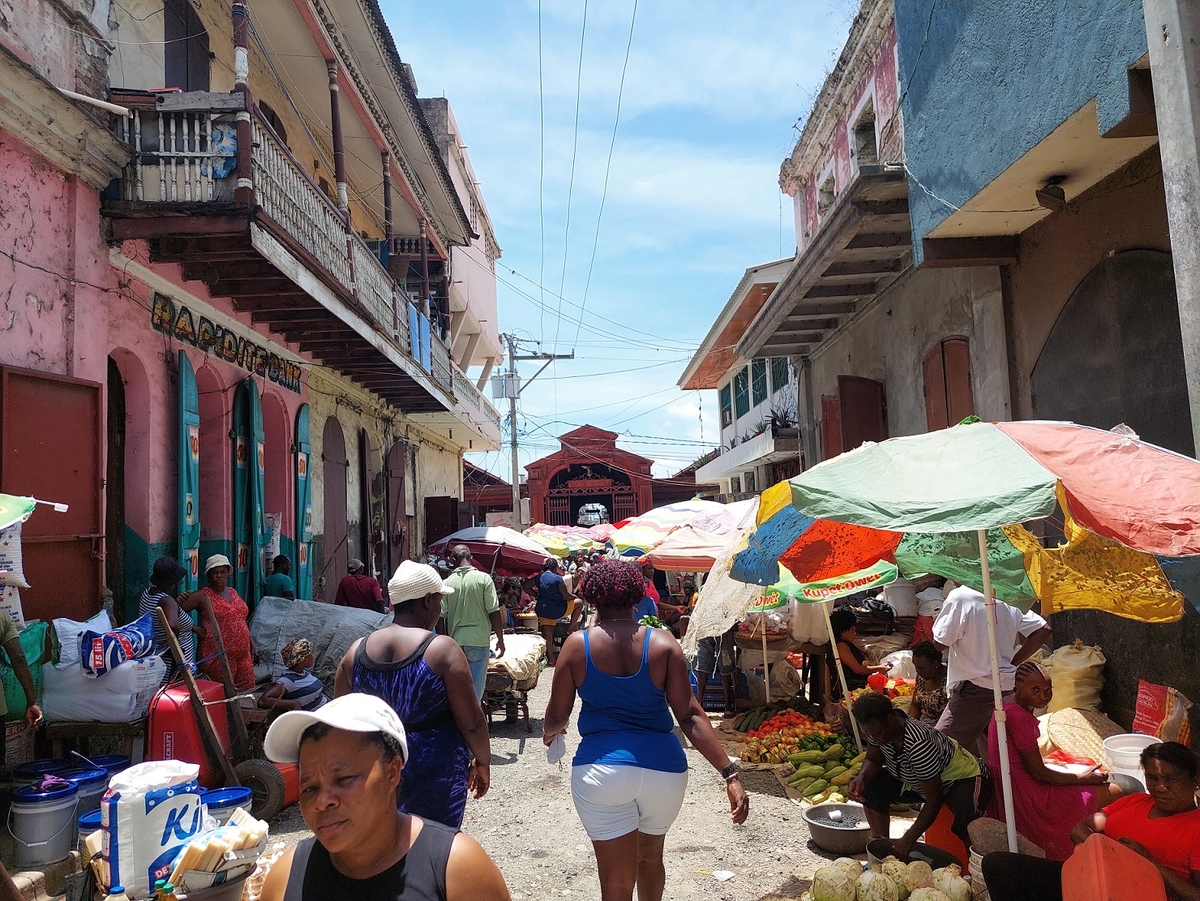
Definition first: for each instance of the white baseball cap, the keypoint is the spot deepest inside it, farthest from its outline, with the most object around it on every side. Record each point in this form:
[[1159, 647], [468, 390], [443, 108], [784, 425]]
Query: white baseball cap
[[353, 712], [413, 580]]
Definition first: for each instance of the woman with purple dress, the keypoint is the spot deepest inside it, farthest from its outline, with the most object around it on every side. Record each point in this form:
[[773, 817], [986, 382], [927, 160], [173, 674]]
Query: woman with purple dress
[[425, 678]]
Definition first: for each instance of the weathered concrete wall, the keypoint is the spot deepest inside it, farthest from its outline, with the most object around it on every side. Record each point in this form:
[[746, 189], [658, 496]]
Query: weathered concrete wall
[[889, 340], [985, 82]]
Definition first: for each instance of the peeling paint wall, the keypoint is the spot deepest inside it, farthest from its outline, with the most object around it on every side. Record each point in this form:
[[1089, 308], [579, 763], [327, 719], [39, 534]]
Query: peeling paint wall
[[889, 340]]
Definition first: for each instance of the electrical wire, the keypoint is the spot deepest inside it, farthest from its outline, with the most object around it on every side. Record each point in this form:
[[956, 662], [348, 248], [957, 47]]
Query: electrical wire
[[607, 169], [562, 280], [541, 176]]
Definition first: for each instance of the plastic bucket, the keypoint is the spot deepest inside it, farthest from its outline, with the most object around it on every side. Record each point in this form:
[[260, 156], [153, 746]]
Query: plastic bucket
[[35, 769], [114, 763], [92, 784], [41, 825], [85, 826], [222, 802], [1122, 754]]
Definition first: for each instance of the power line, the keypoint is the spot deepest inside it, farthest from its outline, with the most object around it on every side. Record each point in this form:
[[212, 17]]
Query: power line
[[541, 174], [607, 167], [562, 280]]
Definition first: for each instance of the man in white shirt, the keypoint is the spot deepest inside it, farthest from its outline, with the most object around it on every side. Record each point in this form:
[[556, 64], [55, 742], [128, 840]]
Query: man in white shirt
[[962, 627]]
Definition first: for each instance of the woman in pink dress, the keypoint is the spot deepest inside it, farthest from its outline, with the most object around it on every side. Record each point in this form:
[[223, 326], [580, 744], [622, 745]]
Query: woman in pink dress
[[1047, 803]]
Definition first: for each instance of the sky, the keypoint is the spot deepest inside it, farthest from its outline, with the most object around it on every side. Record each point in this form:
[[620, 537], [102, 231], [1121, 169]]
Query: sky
[[623, 236]]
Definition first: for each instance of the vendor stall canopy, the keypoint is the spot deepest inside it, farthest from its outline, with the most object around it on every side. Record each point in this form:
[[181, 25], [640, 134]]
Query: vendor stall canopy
[[641, 535], [15, 509], [1128, 512]]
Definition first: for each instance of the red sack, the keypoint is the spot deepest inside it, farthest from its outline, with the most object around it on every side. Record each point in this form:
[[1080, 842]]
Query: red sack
[[1163, 712]]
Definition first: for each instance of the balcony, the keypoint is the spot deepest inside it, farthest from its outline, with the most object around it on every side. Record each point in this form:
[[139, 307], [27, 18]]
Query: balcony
[[287, 256], [770, 446], [472, 412]]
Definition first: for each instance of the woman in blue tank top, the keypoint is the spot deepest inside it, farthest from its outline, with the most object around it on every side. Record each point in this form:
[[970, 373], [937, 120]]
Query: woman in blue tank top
[[629, 774]]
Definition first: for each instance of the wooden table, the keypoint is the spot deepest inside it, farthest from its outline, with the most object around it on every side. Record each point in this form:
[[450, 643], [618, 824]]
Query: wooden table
[[83, 731]]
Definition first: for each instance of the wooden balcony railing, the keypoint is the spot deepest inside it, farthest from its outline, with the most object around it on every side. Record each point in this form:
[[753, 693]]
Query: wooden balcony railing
[[185, 151]]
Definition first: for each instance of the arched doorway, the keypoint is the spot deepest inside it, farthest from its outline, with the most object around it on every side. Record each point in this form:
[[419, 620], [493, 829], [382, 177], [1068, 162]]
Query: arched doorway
[[590, 485], [1115, 353], [335, 478], [214, 496], [277, 480], [127, 484]]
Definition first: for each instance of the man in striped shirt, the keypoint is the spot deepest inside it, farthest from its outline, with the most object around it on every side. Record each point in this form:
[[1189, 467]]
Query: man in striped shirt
[[907, 760], [297, 688]]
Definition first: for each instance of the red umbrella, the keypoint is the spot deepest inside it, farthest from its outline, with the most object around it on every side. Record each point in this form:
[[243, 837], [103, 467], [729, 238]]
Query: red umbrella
[[497, 550]]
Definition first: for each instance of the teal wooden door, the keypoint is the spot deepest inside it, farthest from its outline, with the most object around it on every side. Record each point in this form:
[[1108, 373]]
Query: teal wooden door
[[249, 465], [188, 550], [304, 531]]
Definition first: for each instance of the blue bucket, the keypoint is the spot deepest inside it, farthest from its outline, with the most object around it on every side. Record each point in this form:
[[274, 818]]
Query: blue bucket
[[114, 763], [92, 784], [222, 802], [35, 769], [89, 822]]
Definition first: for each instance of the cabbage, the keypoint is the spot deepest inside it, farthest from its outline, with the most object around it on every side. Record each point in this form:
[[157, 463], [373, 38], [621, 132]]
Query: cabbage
[[830, 883], [919, 875], [948, 880], [852, 867], [874, 886], [927, 894], [896, 871]]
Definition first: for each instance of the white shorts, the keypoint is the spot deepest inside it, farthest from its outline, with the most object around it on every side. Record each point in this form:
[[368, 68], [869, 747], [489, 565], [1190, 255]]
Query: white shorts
[[616, 800]]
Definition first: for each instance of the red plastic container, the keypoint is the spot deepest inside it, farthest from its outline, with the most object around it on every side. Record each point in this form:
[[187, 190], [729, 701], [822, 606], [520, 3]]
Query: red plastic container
[[291, 778], [1103, 870], [172, 732]]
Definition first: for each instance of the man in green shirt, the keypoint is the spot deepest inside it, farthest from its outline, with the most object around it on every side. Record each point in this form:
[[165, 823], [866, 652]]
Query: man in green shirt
[[472, 614], [279, 583]]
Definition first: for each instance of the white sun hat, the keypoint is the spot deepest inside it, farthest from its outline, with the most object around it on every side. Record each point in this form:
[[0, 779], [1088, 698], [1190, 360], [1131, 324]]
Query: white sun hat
[[413, 580], [353, 713]]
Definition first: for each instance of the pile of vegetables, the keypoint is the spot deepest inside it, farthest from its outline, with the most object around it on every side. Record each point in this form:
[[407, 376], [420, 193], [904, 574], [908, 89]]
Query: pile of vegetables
[[652, 622], [781, 735], [822, 776], [845, 880]]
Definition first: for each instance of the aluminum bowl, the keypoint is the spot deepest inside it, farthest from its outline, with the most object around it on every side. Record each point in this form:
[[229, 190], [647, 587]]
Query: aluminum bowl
[[837, 839]]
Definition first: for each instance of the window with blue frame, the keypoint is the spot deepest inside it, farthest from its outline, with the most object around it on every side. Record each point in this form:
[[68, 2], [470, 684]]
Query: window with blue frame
[[758, 382], [741, 394]]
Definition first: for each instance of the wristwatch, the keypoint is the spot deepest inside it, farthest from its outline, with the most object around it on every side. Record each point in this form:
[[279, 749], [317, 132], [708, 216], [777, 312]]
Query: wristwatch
[[730, 772]]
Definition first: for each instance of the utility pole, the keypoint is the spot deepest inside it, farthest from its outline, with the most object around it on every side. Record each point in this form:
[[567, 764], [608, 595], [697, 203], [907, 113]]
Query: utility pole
[[512, 390]]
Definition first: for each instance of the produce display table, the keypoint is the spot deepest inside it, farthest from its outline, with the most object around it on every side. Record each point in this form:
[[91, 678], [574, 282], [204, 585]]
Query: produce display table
[[83, 731]]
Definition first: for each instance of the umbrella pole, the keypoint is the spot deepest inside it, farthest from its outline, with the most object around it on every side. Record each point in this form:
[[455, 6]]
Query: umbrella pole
[[825, 605], [766, 668], [1010, 817]]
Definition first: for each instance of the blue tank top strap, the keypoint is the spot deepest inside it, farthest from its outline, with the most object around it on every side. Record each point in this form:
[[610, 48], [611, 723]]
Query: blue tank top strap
[[587, 648], [646, 654]]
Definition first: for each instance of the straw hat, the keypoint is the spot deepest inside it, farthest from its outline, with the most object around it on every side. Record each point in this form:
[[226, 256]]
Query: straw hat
[[415, 580]]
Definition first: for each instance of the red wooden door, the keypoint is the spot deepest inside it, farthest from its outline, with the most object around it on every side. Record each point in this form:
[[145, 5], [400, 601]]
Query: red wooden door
[[831, 427], [397, 514], [864, 417], [335, 477], [51, 428], [960, 402], [933, 371]]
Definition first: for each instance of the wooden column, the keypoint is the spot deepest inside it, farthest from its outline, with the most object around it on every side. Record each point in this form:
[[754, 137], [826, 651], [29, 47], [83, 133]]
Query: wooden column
[[339, 146], [424, 271], [244, 191], [388, 220]]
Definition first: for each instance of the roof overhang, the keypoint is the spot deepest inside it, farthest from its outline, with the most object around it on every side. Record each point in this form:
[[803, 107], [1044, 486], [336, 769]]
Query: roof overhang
[[715, 358], [863, 245]]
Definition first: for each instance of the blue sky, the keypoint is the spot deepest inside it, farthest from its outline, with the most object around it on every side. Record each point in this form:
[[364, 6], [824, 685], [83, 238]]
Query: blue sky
[[712, 93]]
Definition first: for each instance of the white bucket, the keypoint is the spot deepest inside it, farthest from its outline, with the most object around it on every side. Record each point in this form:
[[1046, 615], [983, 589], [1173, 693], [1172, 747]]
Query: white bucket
[[1123, 753], [42, 824]]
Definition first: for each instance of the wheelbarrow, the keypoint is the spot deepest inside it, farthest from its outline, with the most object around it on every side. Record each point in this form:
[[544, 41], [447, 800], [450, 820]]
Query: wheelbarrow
[[241, 764]]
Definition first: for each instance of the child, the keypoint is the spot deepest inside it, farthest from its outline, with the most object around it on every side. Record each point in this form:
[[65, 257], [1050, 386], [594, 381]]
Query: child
[[297, 688]]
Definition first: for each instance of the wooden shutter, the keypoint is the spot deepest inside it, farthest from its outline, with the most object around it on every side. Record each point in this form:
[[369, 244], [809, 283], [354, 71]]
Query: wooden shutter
[[934, 374], [249, 465], [960, 402], [831, 427], [864, 417], [304, 524], [189, 474]]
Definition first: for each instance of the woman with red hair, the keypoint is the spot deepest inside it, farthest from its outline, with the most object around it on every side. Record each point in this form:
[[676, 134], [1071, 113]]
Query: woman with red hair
[[629, 774]]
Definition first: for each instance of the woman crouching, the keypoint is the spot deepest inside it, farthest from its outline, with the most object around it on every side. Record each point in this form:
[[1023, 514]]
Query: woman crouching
[[351, 752]]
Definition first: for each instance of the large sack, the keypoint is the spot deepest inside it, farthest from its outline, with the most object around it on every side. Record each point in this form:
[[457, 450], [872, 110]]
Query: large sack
[[102, 652], [332, 630], [148, 814], [68, 634], [1077, 671], [123, 695], [1162, 711]]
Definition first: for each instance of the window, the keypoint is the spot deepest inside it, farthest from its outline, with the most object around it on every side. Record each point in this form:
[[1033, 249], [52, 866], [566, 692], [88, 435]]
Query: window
[[273, 120], [735, 484], [727, 405], [758, 382], [741, 394], [780, 374], [185, 48], [947, 375], [866, 150], [826, 195], [748, 482]]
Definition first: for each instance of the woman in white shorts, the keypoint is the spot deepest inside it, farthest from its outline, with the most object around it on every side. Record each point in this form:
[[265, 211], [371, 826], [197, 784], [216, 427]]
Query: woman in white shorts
[[629, 774]]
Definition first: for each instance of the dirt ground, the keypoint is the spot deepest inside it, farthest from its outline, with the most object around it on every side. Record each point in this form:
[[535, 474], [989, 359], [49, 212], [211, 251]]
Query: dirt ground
[[528, 825]]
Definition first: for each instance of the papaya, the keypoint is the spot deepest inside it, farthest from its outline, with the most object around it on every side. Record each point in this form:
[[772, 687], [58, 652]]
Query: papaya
[[834, 752], [815, 788], [833, 772], [858, 758], [843, 778], [811, 756], [812, 769]]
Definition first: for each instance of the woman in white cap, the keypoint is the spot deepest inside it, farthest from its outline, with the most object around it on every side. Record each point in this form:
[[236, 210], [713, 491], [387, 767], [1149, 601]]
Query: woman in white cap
[[427, 681], [351, 754], [231, 613]]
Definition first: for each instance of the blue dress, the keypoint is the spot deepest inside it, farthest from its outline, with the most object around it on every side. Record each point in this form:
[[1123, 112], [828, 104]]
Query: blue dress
[[433, 784]]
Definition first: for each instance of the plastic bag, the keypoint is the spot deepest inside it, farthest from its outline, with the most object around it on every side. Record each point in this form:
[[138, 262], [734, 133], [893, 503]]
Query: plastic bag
[[900, 665], [1077, 672], [1163, 712], [101, 652], [12, 573]]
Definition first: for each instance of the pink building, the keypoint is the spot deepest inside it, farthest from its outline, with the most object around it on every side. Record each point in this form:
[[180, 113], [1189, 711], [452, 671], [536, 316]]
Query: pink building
[[225, 305]]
